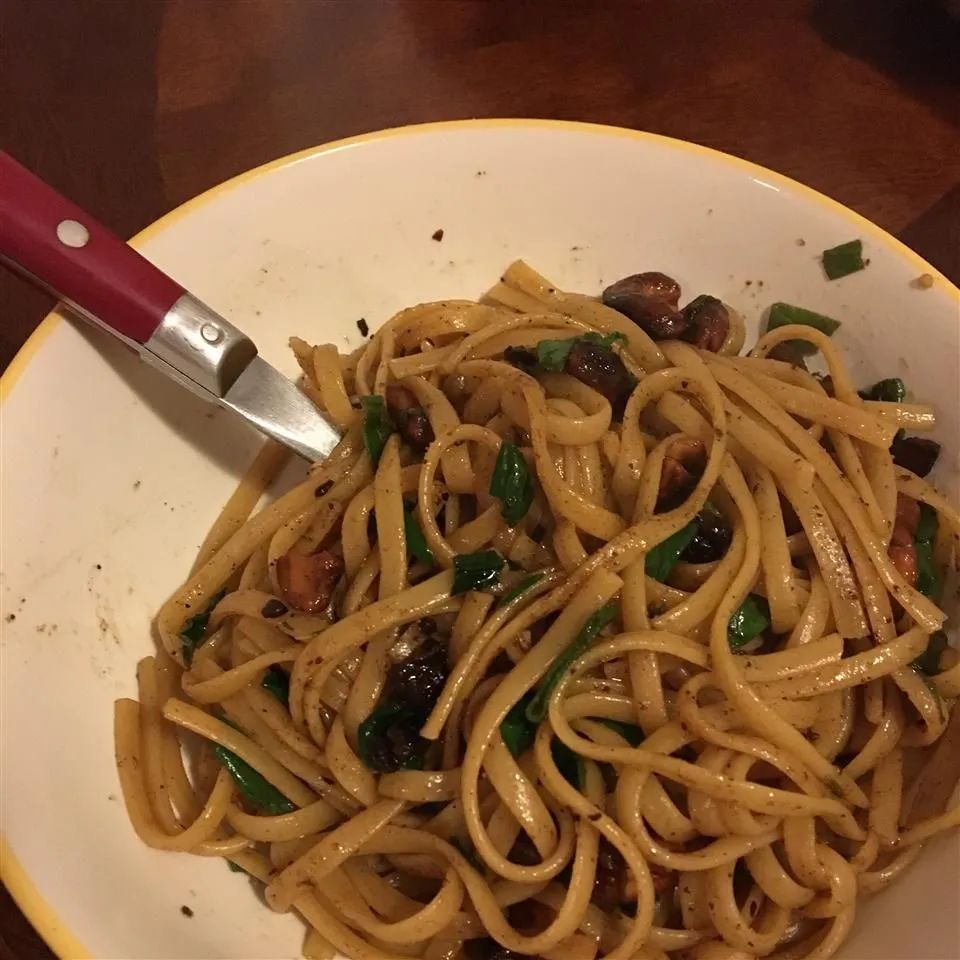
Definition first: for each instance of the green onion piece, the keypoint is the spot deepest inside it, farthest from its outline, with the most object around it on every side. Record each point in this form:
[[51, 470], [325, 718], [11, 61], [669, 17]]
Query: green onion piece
[[891, 390], [416, 542], [927, 524], [629, 731], [194, 631], [386, 714], [512, 483], [515, 729], [750, 620], [843, 260], [552, 354], [537, 708], [784, 314], [928, 576], [377, 426], [235, 867], [261, 794], [929, 581], [521, 588], [929, 661], [569, 764], [277, 681], [476, 571], [664, 556]]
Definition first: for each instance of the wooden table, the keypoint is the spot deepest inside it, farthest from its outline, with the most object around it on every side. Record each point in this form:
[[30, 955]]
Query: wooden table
[[131, 107]]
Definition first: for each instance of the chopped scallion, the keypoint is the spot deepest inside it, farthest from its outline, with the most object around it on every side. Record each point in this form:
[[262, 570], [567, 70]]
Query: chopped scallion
[[842, 260]]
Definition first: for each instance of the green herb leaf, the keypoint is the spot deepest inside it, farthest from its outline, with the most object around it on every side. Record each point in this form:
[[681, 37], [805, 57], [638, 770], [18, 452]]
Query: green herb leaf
[[552, 354], [512, 483], [235, 867], [194, 631], [629, 731], [259, 792], [277, 681], [749, 621], [537, 708], [521, 588], [386, 714], [476, 571], [929, 661], [784, 314], [416, 542], [845, 259], [664, 556], [891, 390], [517, 731], [569, 764], [377, 426]]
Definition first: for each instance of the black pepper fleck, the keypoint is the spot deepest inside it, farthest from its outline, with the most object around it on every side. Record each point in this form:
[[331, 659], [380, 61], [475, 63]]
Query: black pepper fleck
[[363, 327], [437, 235], [324, 488], [186, 911]]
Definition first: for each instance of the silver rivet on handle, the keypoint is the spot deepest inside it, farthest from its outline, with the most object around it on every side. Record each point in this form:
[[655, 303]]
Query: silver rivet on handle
[[211, 333], [71, 233]]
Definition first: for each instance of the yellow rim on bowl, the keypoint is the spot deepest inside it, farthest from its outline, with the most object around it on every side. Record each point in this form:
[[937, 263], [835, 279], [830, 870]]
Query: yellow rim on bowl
[[24, 892]]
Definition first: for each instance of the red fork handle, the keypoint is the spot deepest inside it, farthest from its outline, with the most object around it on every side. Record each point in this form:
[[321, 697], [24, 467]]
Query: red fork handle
[[57, 244]]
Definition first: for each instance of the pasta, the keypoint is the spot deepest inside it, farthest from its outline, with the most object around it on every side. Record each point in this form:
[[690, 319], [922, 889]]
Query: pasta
[[593, 637]]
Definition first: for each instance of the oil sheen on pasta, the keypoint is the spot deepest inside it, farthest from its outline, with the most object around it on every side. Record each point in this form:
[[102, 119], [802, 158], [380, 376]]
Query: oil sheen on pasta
[[623, 647]]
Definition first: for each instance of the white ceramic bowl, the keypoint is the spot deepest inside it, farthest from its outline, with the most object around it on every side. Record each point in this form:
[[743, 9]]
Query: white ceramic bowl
[[110, 475]]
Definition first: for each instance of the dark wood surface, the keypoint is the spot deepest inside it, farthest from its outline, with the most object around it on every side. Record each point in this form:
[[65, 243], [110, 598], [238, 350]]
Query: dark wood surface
[[131, 107]]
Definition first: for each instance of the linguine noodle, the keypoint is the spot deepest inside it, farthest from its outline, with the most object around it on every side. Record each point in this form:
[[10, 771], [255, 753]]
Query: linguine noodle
[[529, 666]]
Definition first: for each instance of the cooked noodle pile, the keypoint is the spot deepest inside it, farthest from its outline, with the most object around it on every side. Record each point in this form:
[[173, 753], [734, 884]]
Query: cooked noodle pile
[[591, 638]]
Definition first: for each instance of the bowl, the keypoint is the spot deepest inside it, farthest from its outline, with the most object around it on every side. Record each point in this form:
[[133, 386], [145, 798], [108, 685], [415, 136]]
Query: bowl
[[111, 475]]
